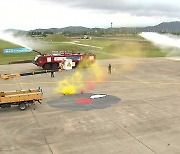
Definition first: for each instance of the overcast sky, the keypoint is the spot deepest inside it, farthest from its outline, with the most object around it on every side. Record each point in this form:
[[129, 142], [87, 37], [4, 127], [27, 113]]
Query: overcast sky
[[32, 14]]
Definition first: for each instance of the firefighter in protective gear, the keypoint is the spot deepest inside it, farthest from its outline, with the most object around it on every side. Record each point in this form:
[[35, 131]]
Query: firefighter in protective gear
[[109, 69]]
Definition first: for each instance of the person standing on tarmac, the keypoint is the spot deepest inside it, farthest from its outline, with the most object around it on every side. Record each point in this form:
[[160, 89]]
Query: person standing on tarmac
[[109, 68], [52, 73]]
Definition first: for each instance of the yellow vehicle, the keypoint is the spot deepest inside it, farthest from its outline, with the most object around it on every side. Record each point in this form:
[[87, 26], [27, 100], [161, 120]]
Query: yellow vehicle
[[9, 76], [22, 98]]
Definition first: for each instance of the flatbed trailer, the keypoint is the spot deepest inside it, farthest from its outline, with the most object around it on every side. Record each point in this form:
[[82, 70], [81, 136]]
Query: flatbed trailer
[[10, 76], [21, 98]]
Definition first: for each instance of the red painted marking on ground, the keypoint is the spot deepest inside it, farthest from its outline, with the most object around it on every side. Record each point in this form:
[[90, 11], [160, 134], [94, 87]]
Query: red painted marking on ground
[[84, 101]]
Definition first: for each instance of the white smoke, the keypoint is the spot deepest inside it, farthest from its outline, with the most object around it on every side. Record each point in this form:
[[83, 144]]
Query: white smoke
[[162, 40], [165, 41], [23, 41], [7, 36]]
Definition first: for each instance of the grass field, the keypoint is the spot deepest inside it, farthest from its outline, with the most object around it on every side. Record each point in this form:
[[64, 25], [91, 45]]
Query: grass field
[[44, 47], [56, 38], [130, 48], [115, 47], [6, 58]]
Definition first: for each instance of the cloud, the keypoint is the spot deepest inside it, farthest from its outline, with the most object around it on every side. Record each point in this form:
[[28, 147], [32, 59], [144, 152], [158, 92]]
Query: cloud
[[135, 7], [21, 14]]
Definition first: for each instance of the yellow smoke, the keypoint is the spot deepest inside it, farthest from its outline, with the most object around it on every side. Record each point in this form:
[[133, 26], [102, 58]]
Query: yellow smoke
[[86, 79], [96, 72], [70, 85], [127, 54], [81, 80]]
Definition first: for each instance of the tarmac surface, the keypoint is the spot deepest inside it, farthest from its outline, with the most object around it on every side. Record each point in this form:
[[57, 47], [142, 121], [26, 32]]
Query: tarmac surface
[[144, 119]]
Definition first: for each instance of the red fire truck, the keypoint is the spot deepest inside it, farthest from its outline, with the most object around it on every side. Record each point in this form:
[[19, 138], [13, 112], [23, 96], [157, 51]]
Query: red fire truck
[[53, 61]]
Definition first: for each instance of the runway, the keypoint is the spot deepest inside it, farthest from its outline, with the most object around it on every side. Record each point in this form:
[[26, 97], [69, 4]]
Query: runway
[[141, 113]]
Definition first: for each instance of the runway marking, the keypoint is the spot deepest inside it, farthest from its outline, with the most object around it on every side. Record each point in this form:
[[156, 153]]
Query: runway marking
[[116, 81]]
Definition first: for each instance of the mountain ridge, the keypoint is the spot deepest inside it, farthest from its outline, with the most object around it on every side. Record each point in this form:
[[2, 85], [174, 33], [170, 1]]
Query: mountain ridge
[[170, 27]]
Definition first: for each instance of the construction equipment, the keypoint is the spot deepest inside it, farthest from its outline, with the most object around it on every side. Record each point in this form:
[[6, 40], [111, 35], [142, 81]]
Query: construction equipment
[[22, 98], [53, 61]]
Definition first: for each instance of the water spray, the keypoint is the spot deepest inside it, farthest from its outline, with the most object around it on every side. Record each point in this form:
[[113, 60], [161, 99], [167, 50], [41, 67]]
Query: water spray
[[164, 41], [7, 36]]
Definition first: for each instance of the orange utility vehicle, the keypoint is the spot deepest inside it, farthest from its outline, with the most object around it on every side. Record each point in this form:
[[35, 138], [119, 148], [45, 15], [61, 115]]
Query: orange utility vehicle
[[22, 98]]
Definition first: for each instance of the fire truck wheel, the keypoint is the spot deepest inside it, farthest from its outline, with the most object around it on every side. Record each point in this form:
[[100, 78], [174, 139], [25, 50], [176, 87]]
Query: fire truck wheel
[[47, 67], [22, 106], [55, 66]]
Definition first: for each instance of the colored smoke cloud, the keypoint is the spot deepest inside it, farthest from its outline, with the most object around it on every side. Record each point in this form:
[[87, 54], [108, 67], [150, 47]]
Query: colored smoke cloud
[[81, 81]]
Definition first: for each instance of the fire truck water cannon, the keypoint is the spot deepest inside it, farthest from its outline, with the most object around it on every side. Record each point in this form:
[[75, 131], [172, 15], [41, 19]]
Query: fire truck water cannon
[[54, 61], [37, 52]]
